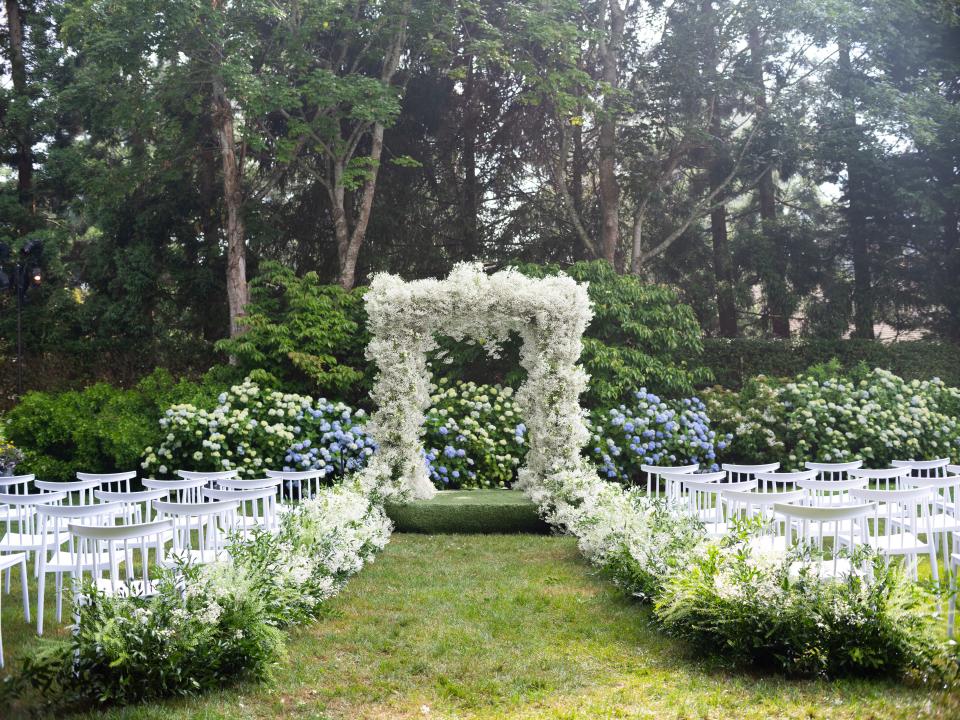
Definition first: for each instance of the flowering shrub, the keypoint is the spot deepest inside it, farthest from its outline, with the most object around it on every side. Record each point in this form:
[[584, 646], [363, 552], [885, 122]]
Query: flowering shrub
[[773, 610], [473, 436], [653, 431], [10, 456], [876, 418], [253, 430]]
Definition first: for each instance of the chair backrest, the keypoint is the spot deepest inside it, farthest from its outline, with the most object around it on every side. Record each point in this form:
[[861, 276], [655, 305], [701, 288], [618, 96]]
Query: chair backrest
[[833, 471], [55, 533], [179, 491], [844, 526], [882, 478], [253, 484], [899, 515], [783, 481], [212, 477], [737, 473], [111, 482], [674, 481], [257, 507], [16, 484], [702, 499], [653, 474], [22, 513], [748, 504], [99, 549], [924, 468], [829, 493], [299, 485], [200, 529], [137, 505], [79, 492]]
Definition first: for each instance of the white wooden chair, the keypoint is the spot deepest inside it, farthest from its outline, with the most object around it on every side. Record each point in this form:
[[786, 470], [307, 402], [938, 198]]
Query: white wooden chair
[[943, 520], [654, 473], [739, 473], [22, 515], [703, 501], [199, 530], [257, 507], [747, 504], [178, 491], [111, 482], [137, 505], [778, 482], [54, 523], [673, 483], [830, 493], [826, 530], [118, 543], [213, 478], [14, 485], [882, 479], [8, 562], [79, 492], [299, 485], [924, 468], [895, 525], [833, 471]]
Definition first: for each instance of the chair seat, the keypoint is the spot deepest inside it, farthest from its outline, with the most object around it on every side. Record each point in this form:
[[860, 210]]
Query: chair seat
[[900, 544], [61, 561], [27, 541], [8, 561]]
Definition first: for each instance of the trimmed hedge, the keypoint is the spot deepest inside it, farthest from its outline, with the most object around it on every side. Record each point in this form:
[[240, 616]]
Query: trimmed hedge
[[734, 361], [468, 512]]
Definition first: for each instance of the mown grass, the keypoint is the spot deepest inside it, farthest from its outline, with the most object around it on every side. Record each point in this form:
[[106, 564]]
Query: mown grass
[[507, 626]]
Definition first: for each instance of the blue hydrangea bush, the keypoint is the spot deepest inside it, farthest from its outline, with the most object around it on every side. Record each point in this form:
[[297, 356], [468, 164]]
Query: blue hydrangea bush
[[652, 431]]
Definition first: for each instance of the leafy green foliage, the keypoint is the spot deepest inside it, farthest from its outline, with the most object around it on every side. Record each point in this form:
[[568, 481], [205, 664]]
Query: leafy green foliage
[[99, 429], [309, 335]]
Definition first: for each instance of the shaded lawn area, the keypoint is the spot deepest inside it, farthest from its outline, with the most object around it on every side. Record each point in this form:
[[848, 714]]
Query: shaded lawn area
[[507, 626]]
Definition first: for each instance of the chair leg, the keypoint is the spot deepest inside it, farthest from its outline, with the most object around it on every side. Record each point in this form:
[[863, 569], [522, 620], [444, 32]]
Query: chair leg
[[25, 589], [41, 593], [59, 597], [9, 570], [952, 601]]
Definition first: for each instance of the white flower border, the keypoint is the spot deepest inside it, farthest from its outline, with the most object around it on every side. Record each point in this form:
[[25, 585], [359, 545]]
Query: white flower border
[[550, 314]]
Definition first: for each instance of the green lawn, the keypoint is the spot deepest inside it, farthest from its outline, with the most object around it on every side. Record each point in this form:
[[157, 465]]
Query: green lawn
[[507, 626]]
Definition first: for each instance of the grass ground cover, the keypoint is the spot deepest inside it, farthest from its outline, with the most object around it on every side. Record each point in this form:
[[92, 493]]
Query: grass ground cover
[[506, 626]]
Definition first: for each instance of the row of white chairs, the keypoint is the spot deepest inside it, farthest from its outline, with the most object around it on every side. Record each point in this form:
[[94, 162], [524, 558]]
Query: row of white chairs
[[97, 523]]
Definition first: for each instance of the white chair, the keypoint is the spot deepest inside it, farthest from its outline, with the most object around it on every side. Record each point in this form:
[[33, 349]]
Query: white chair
[[257, 507], [833, 471], [882, 479], [199, 530], [844, 526], [7, 562], [213, 478], [301, 484], [830, 493], [14, 485], [54, 523], [79, 492], [778, 482], [895, 525], [924, 468], [22, 514], [111, 482], [178, 491], [673, 483], [739, 473], [943, 519], [251, 484], [747, 504], [704, 503], [654, 472], [137, 505], [91, 544]]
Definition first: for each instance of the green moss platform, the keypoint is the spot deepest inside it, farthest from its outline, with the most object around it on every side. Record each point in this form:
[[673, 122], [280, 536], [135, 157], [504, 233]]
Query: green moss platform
[[469, 511]]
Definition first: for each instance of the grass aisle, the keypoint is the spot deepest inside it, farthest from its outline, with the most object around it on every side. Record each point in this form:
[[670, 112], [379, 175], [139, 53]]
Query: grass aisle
[[470, 626]]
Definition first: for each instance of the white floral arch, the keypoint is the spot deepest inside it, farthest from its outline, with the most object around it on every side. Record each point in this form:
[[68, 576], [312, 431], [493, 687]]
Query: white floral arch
[[405, 318]]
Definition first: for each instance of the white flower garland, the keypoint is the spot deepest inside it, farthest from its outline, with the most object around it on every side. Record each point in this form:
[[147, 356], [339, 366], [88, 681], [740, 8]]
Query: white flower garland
[[550, 314]]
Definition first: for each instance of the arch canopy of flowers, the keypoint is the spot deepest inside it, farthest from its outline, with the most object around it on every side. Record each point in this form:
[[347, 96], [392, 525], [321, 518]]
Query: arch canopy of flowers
[[406, 318]]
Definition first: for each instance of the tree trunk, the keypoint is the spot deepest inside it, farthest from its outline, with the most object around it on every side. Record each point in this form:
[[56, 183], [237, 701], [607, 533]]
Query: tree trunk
[[20, 122], [609, 190], [238, 295], [470, 194], [722, 260], [776, 281], [863, 300]]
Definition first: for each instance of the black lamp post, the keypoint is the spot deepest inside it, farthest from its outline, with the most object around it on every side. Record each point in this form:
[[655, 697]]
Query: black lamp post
[[24, 274]]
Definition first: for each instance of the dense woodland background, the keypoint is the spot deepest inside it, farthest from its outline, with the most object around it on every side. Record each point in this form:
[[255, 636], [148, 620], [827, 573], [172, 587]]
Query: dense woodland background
[[792, 169]]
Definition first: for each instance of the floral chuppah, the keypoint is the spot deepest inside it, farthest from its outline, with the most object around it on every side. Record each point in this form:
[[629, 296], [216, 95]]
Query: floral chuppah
[[550, 314]]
